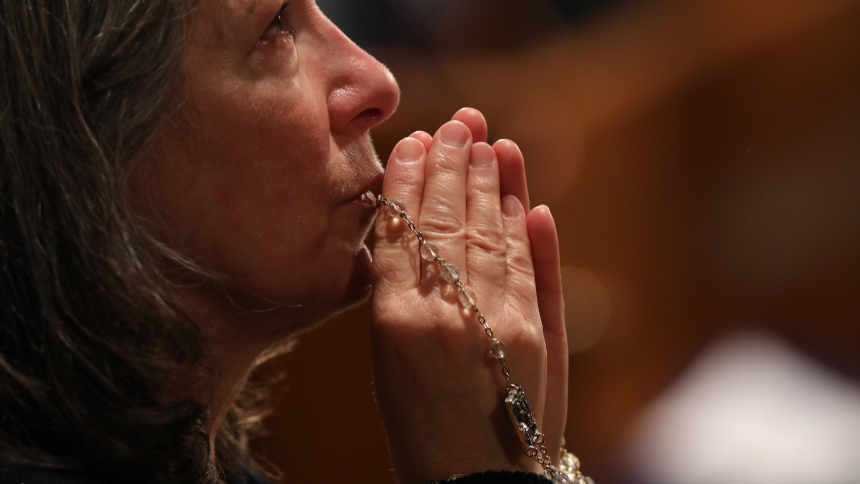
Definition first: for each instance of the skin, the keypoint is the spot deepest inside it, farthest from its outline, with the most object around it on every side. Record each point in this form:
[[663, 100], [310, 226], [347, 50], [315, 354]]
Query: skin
[[259, 178], [438, 388], [253, 178]]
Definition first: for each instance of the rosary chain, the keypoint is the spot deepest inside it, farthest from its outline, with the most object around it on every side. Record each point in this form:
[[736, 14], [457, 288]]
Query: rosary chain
[[536, 450], [399, 211]]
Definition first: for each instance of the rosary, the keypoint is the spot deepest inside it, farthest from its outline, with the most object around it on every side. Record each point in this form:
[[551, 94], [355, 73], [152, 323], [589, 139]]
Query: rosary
[[531, 438]]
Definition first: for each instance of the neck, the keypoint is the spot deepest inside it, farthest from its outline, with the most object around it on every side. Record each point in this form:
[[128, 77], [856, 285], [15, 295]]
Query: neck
[[233, 362], [237, 339]]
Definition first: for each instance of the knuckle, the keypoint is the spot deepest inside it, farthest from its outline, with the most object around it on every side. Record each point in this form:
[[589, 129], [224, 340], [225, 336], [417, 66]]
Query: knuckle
[[484, 185], [452, 157], [516, 232], [408, 179], [449, 162], [521, 266], [443, 221], [488, 249], [488, 237]]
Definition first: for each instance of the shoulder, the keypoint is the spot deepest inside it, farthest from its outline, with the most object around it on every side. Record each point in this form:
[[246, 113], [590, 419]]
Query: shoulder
[[17, 475]]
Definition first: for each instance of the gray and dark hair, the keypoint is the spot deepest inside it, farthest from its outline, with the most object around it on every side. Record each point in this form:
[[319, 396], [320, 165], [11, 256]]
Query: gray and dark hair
[[93, 348]]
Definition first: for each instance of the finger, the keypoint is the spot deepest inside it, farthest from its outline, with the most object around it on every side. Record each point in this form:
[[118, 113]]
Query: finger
[[485, 243], [519, 279], [443, 207], [547, 266], [424, 138], [393, 263], [474, 119], [512, 171]]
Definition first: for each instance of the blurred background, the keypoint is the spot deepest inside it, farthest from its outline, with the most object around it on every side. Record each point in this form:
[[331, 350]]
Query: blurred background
[[702, 161]]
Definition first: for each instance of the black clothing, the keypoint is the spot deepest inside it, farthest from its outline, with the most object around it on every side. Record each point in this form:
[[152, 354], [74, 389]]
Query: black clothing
[[18, 475], [50, 476], [42, 476]]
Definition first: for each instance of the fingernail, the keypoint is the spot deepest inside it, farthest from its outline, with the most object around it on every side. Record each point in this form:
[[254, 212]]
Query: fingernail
[[511, 207], [482, 155], [409, 151], [455, 134]]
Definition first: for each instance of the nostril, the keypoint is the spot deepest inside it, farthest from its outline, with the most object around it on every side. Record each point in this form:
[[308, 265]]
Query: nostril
[[368, 118], [371, 114]]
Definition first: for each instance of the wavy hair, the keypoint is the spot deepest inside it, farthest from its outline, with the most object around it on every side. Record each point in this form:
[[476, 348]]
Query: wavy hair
[[93, 348]]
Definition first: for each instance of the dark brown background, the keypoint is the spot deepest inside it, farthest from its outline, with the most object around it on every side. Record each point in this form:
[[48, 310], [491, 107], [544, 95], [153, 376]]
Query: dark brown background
[[702, 160]]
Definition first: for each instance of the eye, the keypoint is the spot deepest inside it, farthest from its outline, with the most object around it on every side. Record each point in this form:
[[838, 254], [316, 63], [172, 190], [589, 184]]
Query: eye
[[280, 25]]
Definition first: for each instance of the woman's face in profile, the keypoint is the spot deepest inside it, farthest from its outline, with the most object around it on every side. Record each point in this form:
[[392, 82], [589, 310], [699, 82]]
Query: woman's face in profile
[[262, 176]]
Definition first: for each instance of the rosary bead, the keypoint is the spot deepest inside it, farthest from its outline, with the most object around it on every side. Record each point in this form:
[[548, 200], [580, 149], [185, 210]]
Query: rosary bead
[[429, 251], [451, 273], [395, 208], [497, 348], [569, 462], [467, 298], [522, 419]]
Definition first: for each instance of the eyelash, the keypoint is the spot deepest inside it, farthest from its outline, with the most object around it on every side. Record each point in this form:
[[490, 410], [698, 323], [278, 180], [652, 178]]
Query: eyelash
[[280, 24]]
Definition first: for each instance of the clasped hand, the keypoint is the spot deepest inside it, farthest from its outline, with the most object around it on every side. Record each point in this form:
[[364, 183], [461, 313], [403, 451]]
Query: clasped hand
[[439, 390]]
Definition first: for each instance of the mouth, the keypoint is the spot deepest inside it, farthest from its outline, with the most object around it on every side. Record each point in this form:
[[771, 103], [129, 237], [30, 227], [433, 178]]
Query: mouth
[[365, 196], [367, 170], [366, 199]]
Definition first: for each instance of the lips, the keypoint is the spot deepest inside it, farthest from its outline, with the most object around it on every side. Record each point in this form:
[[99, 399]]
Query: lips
[[366, 199], [364, 196], [366, 170]]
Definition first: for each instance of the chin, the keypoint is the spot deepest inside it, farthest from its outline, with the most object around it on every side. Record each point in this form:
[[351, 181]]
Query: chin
[[352, 292], [358, 288], [356, 291], [323, 303]]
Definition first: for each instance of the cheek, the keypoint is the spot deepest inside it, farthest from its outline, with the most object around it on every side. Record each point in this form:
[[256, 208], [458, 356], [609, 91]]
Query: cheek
[[251, 197]]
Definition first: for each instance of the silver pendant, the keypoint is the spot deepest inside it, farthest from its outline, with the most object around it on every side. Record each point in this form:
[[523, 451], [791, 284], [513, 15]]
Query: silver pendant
[[522, 419]]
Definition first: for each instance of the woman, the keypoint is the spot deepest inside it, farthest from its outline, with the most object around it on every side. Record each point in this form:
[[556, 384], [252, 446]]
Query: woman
[[186, 185]]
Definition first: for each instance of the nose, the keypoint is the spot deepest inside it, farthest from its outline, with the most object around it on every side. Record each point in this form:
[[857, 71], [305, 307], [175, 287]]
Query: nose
[[362, 92]]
